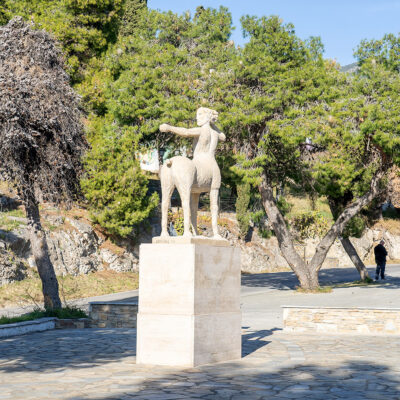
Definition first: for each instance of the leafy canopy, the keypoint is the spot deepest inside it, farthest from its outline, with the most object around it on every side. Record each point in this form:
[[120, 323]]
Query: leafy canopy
[[84, 27], [161, 71], [41, 135]]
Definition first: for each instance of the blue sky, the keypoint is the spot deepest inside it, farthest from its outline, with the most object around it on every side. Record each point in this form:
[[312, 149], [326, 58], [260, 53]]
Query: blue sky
[[341, 24]]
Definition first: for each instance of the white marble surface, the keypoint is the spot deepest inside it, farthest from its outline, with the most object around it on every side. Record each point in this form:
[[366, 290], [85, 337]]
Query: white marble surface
[[189, 304]]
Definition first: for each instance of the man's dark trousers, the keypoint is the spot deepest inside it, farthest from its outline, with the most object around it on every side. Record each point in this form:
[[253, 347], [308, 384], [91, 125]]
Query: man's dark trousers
[[380, 268]]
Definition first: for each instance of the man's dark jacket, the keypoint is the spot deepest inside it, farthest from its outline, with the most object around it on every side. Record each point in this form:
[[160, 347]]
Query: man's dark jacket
[[380, 254]]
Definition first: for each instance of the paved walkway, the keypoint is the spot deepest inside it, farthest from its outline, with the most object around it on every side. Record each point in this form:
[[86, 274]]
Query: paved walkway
[[100, 364]]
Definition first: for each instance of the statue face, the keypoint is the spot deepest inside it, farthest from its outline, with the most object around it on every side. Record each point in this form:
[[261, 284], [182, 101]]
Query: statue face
[[205, 115], [202, 118]]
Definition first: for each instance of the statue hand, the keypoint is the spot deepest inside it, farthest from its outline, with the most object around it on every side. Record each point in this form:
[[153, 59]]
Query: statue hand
[[164, 128]]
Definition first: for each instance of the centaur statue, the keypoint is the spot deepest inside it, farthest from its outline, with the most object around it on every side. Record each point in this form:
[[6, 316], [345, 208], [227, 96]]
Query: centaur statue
[[192, 177]]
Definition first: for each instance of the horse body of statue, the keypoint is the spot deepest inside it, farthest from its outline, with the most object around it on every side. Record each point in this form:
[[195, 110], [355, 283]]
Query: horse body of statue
[[193, 177]]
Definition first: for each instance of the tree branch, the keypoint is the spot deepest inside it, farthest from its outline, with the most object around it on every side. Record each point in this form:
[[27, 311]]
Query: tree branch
[[349, 212]]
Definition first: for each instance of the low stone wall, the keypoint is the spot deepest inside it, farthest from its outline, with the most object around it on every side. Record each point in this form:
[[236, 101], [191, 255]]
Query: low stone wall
[[113, 315], [78, 323], [20, 328], [359, 320]]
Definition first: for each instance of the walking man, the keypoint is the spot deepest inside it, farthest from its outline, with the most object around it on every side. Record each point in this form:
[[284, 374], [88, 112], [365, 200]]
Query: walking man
[[380, 259]]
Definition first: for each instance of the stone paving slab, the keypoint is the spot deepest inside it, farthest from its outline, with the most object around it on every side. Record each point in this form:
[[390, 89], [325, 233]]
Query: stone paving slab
[[101, 365]]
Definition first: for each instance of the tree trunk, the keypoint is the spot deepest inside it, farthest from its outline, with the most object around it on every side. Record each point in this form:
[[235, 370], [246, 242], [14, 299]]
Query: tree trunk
[[307, 277], [354, 257], [307, 273], [41, 253], [349, 212], [334, 205]]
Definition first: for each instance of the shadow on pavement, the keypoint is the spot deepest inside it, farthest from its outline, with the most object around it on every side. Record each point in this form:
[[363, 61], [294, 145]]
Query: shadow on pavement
[[331, 276], [57, 350], [60, 349], [353, 380], [254, 340]]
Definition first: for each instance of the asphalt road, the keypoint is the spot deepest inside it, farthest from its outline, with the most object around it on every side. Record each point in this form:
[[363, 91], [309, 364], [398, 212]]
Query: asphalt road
[[263, 295]]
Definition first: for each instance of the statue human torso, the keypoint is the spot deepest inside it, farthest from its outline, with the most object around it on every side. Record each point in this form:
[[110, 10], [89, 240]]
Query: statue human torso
[[207, 171]]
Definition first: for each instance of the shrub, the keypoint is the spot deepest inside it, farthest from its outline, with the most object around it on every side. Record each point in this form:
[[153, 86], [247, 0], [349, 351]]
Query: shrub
[[310, 224], [62, 313], [243, 214]]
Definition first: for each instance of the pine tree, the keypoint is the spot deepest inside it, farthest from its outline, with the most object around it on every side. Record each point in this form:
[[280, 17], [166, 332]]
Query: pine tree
[[162, 72], [84, 27], [113, 184], [297, 118], [132, 14]]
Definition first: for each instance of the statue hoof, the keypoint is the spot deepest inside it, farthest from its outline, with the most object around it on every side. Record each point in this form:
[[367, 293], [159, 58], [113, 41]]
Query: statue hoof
[[217, 237]]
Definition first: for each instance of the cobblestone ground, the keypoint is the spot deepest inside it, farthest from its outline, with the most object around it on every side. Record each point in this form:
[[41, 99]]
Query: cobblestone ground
[[100, 364]]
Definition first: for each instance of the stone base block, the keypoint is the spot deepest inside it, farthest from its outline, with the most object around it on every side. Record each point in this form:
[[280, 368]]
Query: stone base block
[[189, 304], [188, 340]]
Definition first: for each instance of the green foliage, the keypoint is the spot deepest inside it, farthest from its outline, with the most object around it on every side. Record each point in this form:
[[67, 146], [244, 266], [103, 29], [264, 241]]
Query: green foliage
[[243, 214], [161, 72], [130, 21], [355, 227], [385, 51], [8, 224], [310, 224], [277, 77], [114, 185], [61, 313], [138, 68], [265, 233], [300, 121], [4, 13], [283, 205], [177, 221], [84, 27]]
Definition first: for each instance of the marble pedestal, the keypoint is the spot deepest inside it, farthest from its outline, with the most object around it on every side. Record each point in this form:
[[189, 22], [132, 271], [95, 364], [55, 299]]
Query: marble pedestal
[[189, 302]]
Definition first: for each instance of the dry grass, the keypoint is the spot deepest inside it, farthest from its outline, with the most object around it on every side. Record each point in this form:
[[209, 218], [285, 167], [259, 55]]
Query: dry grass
[[29, 290], [268, 271], [359, 283], [390, 225], [303, 204], [321, 289]]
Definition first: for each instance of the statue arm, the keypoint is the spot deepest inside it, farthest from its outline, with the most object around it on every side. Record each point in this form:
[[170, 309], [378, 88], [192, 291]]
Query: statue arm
[[221, 135], [192, 132]]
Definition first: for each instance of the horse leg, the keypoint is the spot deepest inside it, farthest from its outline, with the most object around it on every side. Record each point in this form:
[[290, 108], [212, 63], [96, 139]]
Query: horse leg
[[185, 200], [214, 212], [167, 187], [194, 205]]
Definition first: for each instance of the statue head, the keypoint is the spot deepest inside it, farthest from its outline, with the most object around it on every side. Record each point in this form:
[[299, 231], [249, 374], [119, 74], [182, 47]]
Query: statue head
[[205, 115]]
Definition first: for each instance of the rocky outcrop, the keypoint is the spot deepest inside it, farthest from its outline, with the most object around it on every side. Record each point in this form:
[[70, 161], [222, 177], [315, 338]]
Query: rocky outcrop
[[12, 268], [75, 248], [264, 255]]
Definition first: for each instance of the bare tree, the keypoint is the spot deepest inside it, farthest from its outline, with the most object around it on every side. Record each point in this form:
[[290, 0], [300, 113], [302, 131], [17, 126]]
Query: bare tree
[[41, 134]]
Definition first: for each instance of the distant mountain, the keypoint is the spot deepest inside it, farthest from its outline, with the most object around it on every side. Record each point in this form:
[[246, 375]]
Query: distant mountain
[[350, 68]]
